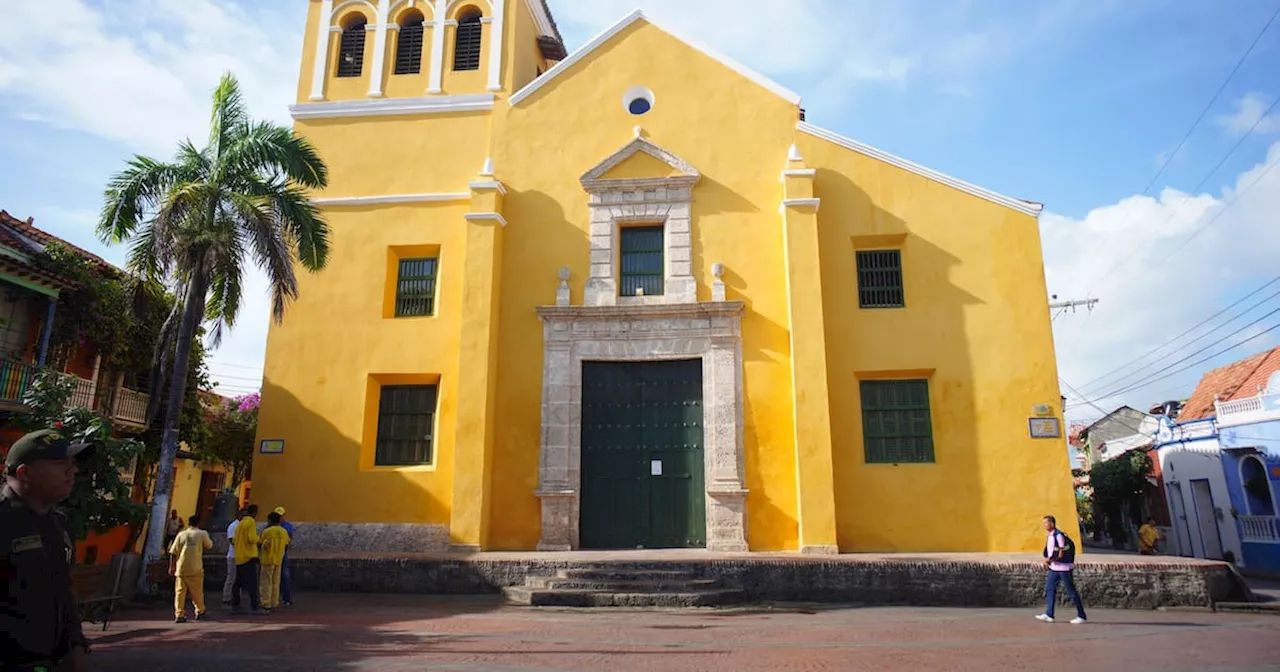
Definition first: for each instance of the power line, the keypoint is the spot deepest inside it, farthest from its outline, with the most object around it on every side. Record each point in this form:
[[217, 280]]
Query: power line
[[234, 366], [1235, 199], [1104, 412], [1235, 317], [1196, 123], [1179, 336], [1141, 384], [1191, 194]]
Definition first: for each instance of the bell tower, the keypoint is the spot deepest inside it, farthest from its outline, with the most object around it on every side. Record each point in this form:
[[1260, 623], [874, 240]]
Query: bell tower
[[373, 49]]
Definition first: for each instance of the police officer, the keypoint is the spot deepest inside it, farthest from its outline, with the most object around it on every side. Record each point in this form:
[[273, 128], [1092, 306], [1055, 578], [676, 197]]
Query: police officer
[[39, 624]]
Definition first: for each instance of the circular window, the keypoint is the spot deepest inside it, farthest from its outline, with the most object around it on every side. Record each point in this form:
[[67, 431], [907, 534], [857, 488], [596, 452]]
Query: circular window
[[637, 100]]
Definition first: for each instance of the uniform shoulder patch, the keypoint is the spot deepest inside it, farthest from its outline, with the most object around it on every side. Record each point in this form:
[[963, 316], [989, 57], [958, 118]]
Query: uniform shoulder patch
[[28, 543]]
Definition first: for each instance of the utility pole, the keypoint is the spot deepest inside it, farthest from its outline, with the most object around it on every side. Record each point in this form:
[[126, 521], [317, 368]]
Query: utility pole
[[1072, 305]]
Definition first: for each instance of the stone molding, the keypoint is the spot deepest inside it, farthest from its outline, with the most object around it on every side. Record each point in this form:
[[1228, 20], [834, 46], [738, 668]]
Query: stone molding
[[642, 332], [660, 200]]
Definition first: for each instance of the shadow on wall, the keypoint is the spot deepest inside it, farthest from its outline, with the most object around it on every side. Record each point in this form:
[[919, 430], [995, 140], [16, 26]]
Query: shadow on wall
[[898, 507], [318, 480]]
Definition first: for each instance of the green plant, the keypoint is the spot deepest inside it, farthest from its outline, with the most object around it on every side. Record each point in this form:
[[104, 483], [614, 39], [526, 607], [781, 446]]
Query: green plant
[[196, 222], [1119, 486], [100, 500], [230, 438]]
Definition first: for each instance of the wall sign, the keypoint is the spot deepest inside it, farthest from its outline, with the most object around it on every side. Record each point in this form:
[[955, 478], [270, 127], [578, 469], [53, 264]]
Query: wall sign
[[271, 446], [1044, 428]]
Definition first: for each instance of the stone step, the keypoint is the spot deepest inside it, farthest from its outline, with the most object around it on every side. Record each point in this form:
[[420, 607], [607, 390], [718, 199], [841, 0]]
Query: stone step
[[628, 585], [590, 598], [604, 574]]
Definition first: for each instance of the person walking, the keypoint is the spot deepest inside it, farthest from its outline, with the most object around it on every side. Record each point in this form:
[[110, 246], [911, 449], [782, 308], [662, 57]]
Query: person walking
[[247, 564], [39, 622], [286, 573], [230, 583], [186, 566], [172, 527], [1148, 536], [1059, 559], [275, 541]]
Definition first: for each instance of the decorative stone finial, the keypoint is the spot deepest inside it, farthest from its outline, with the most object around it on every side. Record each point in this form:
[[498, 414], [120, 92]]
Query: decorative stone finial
[[487, 171], [638, 131], [717, 285], [562, 292], [717, 269], [794, 154]]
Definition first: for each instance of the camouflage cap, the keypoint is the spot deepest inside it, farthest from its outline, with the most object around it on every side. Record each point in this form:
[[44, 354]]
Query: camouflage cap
[[45, 444]]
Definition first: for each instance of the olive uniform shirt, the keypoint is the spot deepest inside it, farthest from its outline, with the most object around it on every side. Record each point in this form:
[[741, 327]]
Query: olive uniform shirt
[[39, 622]]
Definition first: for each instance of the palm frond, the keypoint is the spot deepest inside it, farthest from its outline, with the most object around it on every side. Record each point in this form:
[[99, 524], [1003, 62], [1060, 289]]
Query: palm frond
[[271, 150], [132, 192], [226, 289], [270, 245], [228, 116]]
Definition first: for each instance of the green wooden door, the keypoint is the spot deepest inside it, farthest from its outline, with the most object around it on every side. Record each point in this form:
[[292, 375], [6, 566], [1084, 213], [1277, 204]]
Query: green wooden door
[[642, 475]]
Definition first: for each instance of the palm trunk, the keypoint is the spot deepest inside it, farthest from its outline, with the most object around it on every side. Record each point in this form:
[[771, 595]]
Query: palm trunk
[[162, 356], [192, 313]]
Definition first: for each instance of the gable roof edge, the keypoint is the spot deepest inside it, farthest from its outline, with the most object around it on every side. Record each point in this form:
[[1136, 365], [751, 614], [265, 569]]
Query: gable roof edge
[[1025, 207], [638, 15]]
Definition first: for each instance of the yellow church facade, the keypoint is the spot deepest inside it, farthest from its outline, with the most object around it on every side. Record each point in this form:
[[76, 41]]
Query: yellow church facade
[[628, 298]]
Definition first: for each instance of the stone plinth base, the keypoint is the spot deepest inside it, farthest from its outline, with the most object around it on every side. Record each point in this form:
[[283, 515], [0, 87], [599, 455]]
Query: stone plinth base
[[973, 580]]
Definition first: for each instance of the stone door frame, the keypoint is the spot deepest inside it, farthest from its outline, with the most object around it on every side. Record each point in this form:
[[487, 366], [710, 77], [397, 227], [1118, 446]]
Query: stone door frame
[[639, 333]]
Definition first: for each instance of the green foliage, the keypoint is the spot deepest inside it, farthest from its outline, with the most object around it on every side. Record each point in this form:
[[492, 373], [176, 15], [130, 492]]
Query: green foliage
[[230, 439], [96, 311], [1118, 487], [101, 499]]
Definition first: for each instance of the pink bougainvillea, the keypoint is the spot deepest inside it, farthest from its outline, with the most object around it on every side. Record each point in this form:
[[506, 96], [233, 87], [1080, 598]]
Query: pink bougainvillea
[[248, 402]]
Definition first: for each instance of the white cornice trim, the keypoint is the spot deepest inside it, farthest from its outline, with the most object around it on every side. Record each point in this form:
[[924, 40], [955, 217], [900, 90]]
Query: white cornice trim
[[797, 172], [541, 18], [474, 216], [488, 184], [626, 22], [393, 198], [393, 106], [1022, 206], [815, 203]]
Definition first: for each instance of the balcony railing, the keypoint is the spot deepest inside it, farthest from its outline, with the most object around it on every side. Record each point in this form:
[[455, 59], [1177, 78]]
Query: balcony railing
[[1262, 529], [1257, 408], [120, 404], [15, 380]]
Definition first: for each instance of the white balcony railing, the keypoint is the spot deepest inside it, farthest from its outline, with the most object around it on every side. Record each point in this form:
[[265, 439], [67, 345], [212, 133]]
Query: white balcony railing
[[82, 395], [131, 406], [1257, 408], [1260, 529]]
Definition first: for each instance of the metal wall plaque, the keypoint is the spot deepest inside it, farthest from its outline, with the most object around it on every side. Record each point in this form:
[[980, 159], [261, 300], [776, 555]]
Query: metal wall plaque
[[1045, 428]]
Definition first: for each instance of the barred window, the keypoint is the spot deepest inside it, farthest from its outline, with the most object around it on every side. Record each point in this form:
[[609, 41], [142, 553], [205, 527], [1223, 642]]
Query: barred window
[[409, 44], [351, 49], [896, 424], [406, 421], [466, 45], [416, 287], [880, 279]]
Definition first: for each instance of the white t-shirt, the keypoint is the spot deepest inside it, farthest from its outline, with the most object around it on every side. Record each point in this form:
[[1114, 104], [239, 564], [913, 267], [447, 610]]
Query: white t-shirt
[[231, 535]]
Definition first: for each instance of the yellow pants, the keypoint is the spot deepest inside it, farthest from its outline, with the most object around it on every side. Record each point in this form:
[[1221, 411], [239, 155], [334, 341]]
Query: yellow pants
[[269, 586], [188, 585]]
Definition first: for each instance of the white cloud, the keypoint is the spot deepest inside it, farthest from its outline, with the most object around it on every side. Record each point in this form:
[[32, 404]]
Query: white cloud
[[1152, 285], [1248, 115], [140, 73]]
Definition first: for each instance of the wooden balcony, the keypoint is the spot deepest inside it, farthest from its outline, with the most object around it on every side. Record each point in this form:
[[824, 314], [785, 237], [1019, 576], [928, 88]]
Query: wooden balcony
[[121, 404]]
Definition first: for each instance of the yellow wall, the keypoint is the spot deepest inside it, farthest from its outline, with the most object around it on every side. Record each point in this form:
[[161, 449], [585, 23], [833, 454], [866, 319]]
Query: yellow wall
[[975, 320], [976, 325]]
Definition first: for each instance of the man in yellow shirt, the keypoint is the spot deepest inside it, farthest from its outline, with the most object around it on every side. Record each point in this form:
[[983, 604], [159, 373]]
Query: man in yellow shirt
[[274, 542], [1148, 535], [246, 543], [186, 566]]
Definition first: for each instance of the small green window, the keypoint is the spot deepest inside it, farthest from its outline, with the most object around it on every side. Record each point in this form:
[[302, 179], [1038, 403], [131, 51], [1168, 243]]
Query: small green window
[[416, 287], [642, 261], [880, 279], [896, 426], [406, 421]]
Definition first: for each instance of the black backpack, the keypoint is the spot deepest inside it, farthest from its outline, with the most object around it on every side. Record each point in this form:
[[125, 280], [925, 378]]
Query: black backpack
[[1066, 552]]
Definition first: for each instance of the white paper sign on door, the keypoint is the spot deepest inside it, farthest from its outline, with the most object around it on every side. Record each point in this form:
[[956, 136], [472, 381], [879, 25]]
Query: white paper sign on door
[[655, 467]]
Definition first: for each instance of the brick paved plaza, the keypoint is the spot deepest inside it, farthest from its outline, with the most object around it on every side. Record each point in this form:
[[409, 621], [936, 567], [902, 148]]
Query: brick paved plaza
[[480, 634]]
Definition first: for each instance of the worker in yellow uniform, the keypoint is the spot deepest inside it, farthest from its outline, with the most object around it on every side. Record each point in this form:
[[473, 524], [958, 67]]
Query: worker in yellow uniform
[[246, 543], [186, 566], [274, 542]]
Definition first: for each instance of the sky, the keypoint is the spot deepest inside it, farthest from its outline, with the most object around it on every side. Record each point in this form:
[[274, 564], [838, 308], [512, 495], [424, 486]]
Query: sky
[[1082, 105]]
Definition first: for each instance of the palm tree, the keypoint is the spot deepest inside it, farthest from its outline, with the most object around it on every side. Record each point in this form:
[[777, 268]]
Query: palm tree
[[196, 222]]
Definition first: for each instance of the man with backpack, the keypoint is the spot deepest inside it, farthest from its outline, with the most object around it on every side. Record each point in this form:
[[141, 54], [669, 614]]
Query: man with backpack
[[1059, 558]]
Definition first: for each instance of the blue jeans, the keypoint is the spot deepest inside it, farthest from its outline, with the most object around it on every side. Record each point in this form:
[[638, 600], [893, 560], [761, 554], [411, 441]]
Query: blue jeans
[[1051, 592], [286, 582]]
